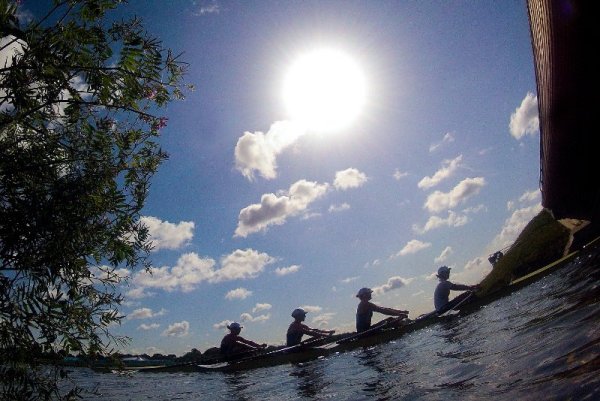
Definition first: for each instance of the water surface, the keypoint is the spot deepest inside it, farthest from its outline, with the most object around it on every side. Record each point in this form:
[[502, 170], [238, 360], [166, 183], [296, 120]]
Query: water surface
[[541, 342]]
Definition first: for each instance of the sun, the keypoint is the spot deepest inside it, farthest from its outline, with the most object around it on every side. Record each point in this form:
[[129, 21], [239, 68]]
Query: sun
[[324, 90]]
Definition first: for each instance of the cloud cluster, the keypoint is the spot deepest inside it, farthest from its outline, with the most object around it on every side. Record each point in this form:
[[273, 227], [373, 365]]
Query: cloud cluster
[[413, 246], [453, 220], [393, 283], [449, 167], [261, 307], [180, 329], [478, 267], [205, 9], [165, 235], [238, 293], [398, 175], [448, 138], [145, 313], [339, 208], [275, 210], [311, 308], [284, 271], [444, 255], [514, 225], [258, 151], [246, 317], [439, 201], [323, 319], [525, 119], [349, 178], [191, 270], [150, 326]]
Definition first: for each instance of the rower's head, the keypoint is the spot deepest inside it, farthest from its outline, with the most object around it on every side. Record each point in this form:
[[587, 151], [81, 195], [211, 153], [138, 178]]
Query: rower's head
[[364, 293], [443, 272], [235, 327], [299, 314]]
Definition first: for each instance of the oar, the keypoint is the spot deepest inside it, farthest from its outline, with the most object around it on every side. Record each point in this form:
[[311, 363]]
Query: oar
[[373, 329], [462, 301], [305, 343]]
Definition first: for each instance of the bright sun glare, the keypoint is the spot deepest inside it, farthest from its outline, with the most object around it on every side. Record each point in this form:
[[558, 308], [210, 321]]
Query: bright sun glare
[[324, 90]]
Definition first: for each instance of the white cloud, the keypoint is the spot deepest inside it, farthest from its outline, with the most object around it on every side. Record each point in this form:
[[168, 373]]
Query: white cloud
[[282, 271], [444, 255], [274, 210], [191, 270], [258, 151], [448, 138], [398, 175], [530, 196], [449, 167], [145, 313], [205, 9], [392, 284], [339, 208], [242, 264], [261, 307], [438, 201], [150, 326], [473, 272], [222, 324], [165, 235], [475, 209], [180, 329], [323, 319], [349, 178], [349, 279], [413, 246], [151, 351], [525, 119], [514, 225], [311, 308], [453, 220], [246, 317], [238, 293], [431, 276], [138, 293]]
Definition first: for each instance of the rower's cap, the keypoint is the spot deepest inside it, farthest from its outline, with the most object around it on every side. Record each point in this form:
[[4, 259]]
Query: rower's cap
[[364, 291], [443, 270], [234, 326], [299, 312]]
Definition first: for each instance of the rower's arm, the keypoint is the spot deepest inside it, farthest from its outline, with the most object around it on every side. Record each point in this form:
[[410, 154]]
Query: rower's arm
[[249, 343], [463, 287], [316, 332], [389, 311]]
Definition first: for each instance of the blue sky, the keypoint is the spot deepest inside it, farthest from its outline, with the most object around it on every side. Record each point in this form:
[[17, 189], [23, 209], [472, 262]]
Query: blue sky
[[253, 216]]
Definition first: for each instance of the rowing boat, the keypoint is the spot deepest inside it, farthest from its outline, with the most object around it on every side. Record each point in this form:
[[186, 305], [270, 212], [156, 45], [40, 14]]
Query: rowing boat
[[273, 358], [385, 331], [303, 352], [392, 329]]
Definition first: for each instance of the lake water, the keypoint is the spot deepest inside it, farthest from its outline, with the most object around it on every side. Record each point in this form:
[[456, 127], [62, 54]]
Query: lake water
[[541, 342]]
